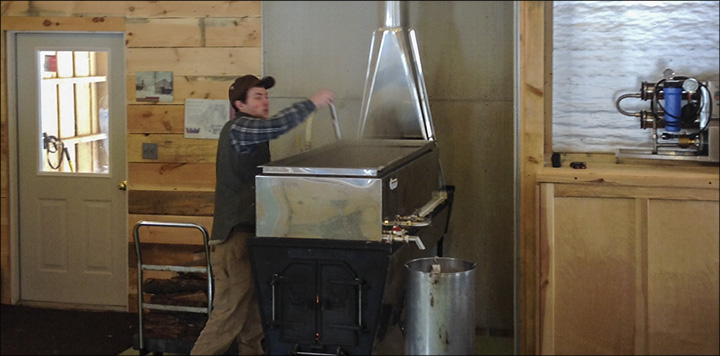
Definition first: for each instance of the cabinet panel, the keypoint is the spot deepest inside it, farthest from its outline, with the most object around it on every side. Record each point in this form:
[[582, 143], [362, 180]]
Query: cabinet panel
[[627, 274], [591, 274], [683, 277]]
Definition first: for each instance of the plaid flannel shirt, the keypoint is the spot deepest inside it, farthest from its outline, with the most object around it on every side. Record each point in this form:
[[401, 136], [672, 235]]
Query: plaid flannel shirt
[[248, 131]]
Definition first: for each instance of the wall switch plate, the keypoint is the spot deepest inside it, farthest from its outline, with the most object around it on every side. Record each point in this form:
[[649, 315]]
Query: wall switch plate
[[149, 151]]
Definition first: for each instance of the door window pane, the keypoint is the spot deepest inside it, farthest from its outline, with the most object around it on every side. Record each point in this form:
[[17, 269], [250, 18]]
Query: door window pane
[[74, 121]]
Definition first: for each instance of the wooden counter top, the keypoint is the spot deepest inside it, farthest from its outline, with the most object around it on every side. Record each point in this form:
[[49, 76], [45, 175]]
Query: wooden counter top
[[685, 176]]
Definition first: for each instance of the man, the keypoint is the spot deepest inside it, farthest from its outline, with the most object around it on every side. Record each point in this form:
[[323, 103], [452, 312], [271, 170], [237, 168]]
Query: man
[[243, 146]]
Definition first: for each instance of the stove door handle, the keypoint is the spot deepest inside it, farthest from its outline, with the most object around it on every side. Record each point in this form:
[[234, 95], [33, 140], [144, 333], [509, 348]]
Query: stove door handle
[[275, 280]]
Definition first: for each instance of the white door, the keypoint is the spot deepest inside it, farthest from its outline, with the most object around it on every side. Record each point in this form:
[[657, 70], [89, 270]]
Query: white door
[[71, 162]]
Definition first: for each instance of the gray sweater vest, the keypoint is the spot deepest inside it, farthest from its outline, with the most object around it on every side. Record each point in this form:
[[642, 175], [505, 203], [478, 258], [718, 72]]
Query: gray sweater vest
[[235, 188]]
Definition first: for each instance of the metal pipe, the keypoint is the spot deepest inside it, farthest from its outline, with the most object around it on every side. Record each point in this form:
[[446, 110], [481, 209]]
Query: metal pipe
[[392, 14], [621, 98], [136, 238], [395, 102], [336, 122], [417, 241]]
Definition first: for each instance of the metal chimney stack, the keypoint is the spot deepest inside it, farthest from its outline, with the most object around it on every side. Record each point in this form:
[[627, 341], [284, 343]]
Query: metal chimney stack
[[395, 102]]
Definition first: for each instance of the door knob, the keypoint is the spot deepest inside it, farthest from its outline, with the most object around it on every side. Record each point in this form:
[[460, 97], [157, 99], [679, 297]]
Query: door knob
[[122, 185]]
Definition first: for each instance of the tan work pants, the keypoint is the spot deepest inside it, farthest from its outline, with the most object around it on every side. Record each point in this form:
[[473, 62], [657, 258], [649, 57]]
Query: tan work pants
[[235, 314]]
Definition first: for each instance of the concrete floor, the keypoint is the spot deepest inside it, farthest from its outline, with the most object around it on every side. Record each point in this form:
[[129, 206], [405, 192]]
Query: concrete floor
[[394, 344]]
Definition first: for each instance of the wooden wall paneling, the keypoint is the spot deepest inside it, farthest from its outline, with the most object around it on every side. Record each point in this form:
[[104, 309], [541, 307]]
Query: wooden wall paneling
[[160, 9], [185, 87], [701, 177], [64, 8], [172, 176], [233, 32], [628, 269], [178, 38], [53, 23], [172, 148], [683, 277], [604, 191], [146, 119], [194, 32], [165, 32], [132, 9], [593, 273], [171, 202], [204, 87], [214, 61], [168, 235]]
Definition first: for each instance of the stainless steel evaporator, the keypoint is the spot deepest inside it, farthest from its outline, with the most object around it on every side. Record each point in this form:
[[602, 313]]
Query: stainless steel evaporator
[[336, 224]]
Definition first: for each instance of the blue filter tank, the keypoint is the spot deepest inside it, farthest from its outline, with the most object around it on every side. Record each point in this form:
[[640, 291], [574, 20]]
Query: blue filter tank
[[673, 108]]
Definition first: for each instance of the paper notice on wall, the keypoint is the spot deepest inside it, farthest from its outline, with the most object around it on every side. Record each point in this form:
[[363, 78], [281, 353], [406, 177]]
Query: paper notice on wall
[[204, 118]]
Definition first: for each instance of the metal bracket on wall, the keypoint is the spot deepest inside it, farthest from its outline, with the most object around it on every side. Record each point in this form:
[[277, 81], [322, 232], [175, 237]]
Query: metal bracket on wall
[[149, 150]]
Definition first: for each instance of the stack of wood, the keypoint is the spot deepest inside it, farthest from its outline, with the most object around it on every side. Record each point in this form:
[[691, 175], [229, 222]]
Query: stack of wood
[[185, 289]]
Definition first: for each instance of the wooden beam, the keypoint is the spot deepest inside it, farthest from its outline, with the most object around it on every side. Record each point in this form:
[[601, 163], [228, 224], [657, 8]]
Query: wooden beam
[[134, 9], [534, 92], [49, 23], [162, 119], [172, 148], [172, 176], [171, 202], [214, 61], [194, 32], [702, 177]]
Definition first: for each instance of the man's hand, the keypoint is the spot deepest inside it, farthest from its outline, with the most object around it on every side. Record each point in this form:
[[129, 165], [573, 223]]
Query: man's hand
[[322, 98]]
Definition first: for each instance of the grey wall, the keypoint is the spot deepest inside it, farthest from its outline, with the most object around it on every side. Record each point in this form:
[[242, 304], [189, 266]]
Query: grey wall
[[467, 54]]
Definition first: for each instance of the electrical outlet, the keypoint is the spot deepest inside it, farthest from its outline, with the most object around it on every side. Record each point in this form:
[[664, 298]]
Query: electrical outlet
[[149, 151]]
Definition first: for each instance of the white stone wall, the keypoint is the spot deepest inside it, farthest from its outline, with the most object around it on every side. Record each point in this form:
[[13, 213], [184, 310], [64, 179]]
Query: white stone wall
[[603, 49]]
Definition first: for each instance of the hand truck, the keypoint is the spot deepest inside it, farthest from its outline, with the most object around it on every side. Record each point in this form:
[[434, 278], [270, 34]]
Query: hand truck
[[147, 344]]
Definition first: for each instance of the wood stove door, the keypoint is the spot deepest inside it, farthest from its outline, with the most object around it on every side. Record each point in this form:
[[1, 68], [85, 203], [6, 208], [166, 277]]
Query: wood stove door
[[340, 297], [319, 302], [319, 296], [297, 305]]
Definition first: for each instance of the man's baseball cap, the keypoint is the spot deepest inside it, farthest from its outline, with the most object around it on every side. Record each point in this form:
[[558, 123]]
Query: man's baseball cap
[[239, 88]]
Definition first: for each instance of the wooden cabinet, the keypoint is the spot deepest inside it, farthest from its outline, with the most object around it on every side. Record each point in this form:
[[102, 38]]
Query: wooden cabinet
[[628, 261]]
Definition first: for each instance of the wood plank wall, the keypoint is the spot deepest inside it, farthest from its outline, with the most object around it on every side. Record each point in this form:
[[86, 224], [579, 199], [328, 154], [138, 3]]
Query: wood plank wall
[[205, 45]]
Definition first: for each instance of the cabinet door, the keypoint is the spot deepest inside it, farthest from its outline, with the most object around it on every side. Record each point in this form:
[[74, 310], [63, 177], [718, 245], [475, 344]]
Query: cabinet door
[[588, 276], [625, 270], [682, 268]]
